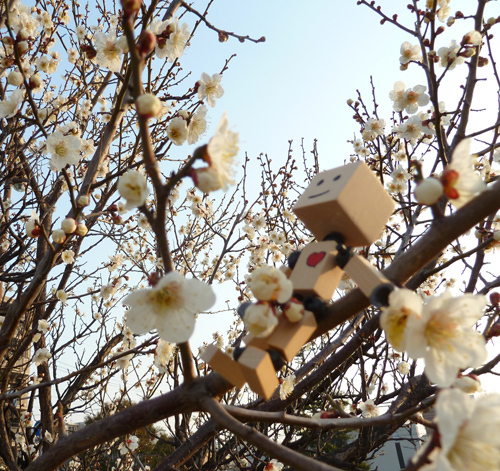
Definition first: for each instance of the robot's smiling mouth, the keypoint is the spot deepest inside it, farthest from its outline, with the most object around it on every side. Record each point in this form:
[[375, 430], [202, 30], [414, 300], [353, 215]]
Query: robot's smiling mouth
[[319, 194]]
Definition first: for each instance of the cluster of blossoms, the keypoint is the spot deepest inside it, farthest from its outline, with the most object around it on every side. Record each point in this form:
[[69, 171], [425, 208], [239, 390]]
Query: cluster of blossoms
[[170, 307], [440, 331], [187, 126], [459, 181], [272, 289], [171, 38]]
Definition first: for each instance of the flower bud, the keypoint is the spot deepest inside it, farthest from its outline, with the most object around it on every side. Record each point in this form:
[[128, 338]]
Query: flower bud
[[148, 106], [130, 7], [146, 43], [22, 47], [68, 226], [81, 229], [15, 78], [22, 35], [294, 310], [35, 81], [428, 191], [32, 228], [84, 200], [495, 298], [58, 236]]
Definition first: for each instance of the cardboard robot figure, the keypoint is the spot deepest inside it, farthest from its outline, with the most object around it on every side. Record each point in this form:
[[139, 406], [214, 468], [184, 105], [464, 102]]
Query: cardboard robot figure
[[343, 207]]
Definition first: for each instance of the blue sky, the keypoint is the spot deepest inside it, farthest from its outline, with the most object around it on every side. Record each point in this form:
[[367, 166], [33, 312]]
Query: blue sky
[[296, 84]]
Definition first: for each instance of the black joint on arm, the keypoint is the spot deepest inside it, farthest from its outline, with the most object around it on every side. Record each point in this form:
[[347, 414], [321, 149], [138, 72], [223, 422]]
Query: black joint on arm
[[344, 254], [380, 295], [277, 359]]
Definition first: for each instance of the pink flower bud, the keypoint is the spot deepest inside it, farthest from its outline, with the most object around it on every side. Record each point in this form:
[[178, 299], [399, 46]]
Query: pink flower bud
[[146, 43], [130, 7]]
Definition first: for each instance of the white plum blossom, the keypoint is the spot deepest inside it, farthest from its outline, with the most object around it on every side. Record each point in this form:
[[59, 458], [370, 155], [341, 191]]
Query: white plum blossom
[[133, 187], [369, 409], [68, 257], [69, 225], [32, 224], [10, 106], [171, 38], [474, 37], [468, 429], [402, 304], [163, 355], [270, 284], [58, 236], [15, 78], [410, 53], [408, 100], [260, 319], [439, 331], [129, 444], [221, 150], [209, 88], [403, 367], [448, 56], [469, 384], [109, 53], [443, 335], [170, 307], [411, 129], [219, 155], [43, 326], [460, 182], [63, 150], [41, 356], [177, 130], [287, 386], [273, 465], [373, 128], [197, 125], [62, 295]]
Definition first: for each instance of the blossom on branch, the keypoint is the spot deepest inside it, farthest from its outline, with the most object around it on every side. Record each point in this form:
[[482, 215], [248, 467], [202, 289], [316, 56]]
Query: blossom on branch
[[64, 150], [41, 356], [133, 187], [171, 38], [270, 284], [260, 319], [219, 154], [439, 331], [109, 50], [10, 106], [460, 182], [170, 307], [209, 88], [468, 429], [408, 100], [410, 53]]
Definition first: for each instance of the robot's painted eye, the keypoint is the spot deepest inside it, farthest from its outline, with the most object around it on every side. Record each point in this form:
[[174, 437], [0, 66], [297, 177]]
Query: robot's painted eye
[[336, 178], [320, 182]]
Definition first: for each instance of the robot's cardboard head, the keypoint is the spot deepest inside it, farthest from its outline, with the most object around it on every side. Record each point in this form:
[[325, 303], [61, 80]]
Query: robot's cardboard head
[[349, 200]]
